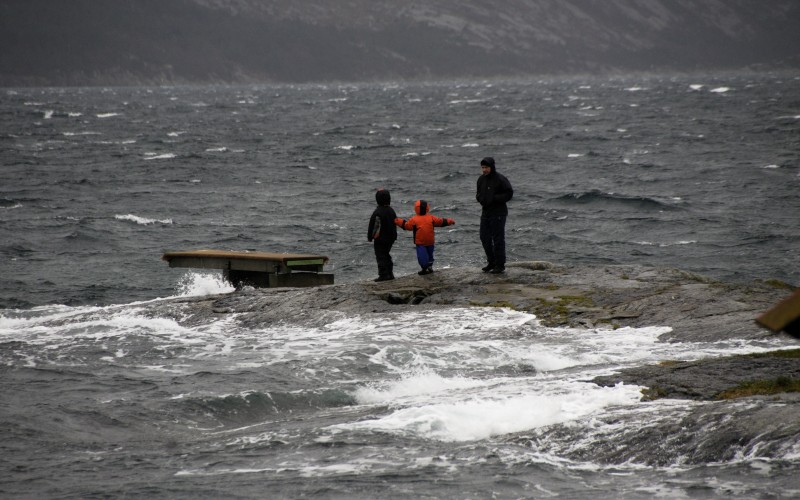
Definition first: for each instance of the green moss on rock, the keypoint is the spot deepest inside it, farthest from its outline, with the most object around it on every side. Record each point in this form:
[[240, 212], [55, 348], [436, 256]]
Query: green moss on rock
[[762, 388]]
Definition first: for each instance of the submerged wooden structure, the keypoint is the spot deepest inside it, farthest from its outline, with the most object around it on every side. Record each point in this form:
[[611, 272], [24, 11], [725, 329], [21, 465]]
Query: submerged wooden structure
[[784, 316], [258, 269]]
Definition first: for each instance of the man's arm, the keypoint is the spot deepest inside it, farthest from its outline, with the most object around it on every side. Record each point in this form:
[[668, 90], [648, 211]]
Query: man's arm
[[506, 193]]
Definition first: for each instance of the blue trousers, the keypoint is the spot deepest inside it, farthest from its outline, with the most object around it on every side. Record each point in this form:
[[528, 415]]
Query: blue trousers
[[493, 238], [425, 255]]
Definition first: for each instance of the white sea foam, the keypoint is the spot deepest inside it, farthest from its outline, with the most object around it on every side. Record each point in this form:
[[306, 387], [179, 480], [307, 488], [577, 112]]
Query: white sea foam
[[142, 220], [414, 385], [453, 375], [346, 147], [481, 418], [107, 115], [118, 330], [48, 114], [129, 141], [156, 156], [458, 408], [57, 326], [665, 245], [470, 145], [198, 284], [305, 470], [696, 86], [720, 90], [452, 323]]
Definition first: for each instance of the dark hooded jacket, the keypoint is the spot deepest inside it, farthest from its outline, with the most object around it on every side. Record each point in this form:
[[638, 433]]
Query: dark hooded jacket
[[381, 223], [494, 191]]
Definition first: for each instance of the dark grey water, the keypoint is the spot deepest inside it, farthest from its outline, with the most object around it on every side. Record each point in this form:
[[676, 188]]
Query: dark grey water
[[98, 183], [102, 398]]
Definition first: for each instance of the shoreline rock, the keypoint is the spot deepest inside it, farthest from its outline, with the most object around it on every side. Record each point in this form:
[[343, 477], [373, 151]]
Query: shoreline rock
[[698, 309], [707, 379]]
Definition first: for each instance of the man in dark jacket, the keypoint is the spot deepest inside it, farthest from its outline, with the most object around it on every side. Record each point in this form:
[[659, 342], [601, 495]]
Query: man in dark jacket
[[383, 233], [494, 191]]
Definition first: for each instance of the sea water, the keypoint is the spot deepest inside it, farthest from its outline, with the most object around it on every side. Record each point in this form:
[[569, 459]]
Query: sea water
[[102, 396]]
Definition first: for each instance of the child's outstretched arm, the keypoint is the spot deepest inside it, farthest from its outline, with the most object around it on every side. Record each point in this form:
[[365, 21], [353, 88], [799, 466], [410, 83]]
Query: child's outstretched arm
[[443, 222], [405, 224]]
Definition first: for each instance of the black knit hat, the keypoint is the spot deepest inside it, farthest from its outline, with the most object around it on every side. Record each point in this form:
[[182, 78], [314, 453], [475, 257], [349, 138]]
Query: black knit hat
[[489, 162], [383, 197]]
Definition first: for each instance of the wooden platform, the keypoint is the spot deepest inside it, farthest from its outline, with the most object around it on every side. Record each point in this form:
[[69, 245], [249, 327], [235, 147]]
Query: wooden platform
[[784, 316], [259, 269]]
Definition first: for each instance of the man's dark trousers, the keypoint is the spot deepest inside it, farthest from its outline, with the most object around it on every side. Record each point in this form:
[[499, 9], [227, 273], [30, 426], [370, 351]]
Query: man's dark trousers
[[493, 238]]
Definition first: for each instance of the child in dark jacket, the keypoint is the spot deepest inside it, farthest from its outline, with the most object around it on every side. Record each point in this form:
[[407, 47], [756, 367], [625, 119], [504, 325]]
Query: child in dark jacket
[[382, 232], [422, 224]]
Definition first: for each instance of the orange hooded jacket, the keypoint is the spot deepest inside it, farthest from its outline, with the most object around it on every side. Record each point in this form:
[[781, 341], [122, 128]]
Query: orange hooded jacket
[[422, 224]]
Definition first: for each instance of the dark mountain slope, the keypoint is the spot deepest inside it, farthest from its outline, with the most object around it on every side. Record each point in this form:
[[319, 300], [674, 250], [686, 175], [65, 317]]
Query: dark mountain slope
[[182, 41]]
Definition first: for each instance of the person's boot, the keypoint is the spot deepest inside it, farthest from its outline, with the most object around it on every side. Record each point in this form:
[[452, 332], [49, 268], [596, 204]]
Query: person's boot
[[498, 270], [487, 267]]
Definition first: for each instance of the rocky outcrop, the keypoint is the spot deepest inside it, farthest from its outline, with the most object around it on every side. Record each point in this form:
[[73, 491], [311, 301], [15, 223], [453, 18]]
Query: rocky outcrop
[[709, 379], [697, 308], [712, 433], [724, 427]]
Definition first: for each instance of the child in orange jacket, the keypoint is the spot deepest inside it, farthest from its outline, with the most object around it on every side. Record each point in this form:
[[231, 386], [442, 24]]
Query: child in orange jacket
[[422, 224]]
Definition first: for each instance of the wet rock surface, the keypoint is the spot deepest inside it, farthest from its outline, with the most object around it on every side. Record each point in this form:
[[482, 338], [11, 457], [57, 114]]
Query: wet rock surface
[[705, 379], [711, 433], [697, 309]]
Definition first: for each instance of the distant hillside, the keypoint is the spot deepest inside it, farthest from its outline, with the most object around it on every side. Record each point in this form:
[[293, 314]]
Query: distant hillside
[[130, 42]]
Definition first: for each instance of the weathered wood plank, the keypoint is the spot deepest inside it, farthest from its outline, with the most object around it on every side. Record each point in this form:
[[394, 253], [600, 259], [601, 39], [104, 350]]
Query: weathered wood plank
[[258, 256], [784, 316], [260, 269]]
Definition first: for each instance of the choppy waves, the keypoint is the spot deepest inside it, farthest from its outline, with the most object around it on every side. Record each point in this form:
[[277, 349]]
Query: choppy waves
[[697, 174], [142, 220], [381, 392], [600, 200]]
